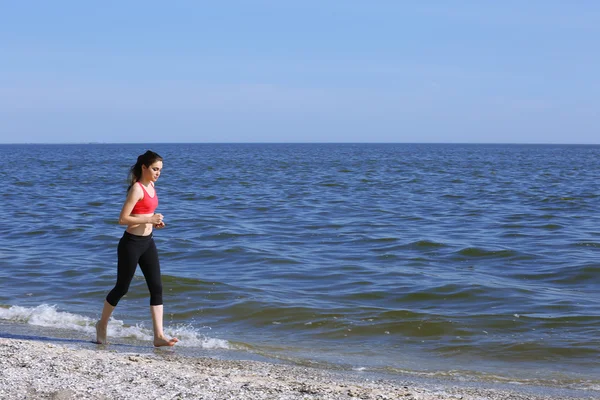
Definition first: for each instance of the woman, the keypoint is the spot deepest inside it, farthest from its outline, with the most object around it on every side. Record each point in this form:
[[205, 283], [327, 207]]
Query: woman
[[137, 246]]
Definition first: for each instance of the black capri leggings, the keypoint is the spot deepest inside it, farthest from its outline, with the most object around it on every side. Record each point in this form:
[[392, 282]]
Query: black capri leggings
[[134, 249]]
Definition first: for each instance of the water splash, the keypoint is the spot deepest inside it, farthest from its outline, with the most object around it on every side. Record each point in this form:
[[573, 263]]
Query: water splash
[[49, 316]]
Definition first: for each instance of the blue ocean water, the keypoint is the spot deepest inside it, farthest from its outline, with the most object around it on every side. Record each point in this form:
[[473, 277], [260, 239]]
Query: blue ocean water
[[467, 261]]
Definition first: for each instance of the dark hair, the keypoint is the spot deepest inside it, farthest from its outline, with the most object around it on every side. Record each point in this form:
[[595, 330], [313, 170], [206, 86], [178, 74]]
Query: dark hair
[[147, 159]]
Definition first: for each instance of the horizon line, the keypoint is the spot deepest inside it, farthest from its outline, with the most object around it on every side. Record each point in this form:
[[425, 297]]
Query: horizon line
[[316, 142]]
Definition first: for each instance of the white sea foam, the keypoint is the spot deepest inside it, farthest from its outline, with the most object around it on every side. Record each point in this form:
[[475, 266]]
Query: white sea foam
[[189, 336], [48, 316]]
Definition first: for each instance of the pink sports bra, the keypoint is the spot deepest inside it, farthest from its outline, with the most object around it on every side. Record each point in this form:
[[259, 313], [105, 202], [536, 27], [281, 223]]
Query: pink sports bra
[[147, 204]]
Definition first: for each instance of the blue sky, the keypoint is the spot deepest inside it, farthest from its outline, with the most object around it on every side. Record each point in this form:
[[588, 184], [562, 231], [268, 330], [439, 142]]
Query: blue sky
[[300, 71]]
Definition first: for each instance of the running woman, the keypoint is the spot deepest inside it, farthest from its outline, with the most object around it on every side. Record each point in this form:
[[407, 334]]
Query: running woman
[[137, 246]]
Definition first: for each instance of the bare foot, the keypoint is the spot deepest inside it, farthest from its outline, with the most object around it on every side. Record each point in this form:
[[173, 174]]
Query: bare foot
[[100, 334], [163, 341]]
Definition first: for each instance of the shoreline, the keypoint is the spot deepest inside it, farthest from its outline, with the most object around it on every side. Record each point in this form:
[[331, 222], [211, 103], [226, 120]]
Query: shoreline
[[37, 369]]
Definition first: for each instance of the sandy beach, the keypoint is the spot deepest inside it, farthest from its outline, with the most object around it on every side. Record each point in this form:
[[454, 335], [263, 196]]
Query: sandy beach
[[32, 369]]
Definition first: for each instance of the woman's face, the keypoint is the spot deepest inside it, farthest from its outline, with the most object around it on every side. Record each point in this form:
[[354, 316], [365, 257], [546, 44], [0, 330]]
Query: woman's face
[[153, 171]]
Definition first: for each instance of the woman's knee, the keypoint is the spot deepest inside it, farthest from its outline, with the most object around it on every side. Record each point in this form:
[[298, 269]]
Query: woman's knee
[[116, 294]]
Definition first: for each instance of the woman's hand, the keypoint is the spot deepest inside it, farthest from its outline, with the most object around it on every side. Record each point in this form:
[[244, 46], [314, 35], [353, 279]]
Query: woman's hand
[[159, 225], [156, 219]]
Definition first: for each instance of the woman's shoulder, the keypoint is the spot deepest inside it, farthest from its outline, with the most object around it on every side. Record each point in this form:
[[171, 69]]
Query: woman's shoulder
[[136, 190]]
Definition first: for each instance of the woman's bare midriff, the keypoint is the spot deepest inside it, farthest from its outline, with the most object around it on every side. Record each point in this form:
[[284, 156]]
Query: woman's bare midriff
[[140, 229]]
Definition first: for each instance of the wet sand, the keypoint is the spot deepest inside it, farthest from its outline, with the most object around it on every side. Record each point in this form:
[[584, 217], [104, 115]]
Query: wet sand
[[31, 369]]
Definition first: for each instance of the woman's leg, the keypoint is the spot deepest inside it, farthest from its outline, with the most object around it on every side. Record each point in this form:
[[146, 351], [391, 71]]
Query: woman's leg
[[150, 266], [102, 324], [127, 253]]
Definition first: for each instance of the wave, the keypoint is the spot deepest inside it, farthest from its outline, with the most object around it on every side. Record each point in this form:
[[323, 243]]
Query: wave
[[423, 245], [48, 316], [587, 244], [477, 252]]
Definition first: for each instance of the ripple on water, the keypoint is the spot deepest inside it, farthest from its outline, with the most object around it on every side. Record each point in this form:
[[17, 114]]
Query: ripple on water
[[478, 252]]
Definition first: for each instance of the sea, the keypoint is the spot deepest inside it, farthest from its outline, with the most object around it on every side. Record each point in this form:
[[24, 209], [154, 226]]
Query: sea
[[468, 263]]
